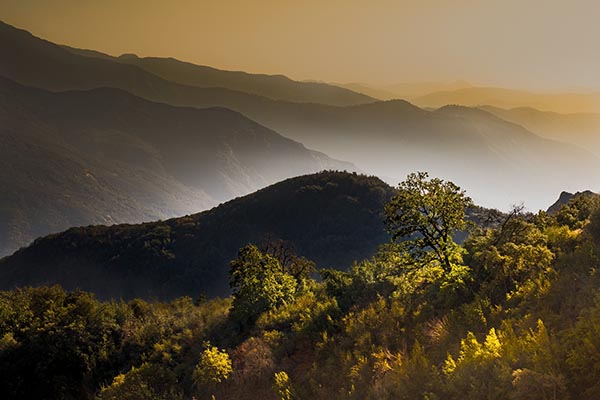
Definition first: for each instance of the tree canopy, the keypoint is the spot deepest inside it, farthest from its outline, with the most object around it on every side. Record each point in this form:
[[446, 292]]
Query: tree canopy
[[425, 214], [258, 283]]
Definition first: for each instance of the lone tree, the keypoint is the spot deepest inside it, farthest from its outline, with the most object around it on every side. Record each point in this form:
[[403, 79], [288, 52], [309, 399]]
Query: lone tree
[[259, 283], [424, 216]]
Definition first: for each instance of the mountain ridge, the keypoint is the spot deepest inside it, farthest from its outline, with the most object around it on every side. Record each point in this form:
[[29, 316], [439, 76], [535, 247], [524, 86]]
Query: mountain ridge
[[276, 87], [333, 218], [135, 161]]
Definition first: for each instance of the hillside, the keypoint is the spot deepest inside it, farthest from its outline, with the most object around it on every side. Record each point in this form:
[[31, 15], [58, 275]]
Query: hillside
[[580, 129], [499, 162], [565, 198], [104, 156], [332, 218]]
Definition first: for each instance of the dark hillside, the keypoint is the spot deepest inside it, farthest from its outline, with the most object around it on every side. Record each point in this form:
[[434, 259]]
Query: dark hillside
[[332, 218]]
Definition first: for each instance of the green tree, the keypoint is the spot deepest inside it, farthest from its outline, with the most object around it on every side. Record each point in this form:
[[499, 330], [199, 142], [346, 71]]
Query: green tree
[[424, 215], [259, 283]]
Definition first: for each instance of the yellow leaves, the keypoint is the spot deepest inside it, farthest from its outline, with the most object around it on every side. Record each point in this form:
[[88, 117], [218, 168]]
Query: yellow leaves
[[119, 380], [214, 366], [474, 352], [283, 386], [492, 345], [449, 365]]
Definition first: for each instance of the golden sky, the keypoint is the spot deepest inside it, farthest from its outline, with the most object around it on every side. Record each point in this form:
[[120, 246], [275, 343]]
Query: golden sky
[[533, 44]]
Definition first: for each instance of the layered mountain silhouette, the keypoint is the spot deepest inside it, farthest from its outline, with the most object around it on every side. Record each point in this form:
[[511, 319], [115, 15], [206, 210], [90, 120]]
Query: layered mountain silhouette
[[277, 87], [582, 129], [106, 156], [67, 69], [332, 218], [565, 103], [497, 161], [404, 90]]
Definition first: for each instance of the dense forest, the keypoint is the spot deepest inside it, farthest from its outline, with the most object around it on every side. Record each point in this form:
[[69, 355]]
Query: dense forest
[[512, 312]]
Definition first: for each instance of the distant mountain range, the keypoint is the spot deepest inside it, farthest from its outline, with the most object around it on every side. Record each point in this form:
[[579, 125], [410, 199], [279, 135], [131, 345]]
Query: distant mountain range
[[332, 218], [580, 129], [106, 156], [566, 103], [438, 94], [497, 161], [403, 90]]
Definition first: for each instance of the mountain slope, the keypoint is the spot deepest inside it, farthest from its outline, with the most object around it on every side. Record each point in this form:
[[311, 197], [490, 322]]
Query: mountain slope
[[277, 87], [330, 217], [106, 156], [581, 129]]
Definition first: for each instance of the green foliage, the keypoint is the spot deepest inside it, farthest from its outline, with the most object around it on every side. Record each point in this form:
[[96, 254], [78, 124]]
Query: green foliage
[[148, 382], [258, 283], [594, 226], [511, 263], [583, 355], [578, 210], [513, 317], [56, 344], [53, 342], [425, 214]]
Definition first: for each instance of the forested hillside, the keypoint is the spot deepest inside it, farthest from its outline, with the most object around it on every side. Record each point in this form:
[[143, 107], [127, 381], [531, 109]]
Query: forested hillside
[[332, 218], [512, 313]]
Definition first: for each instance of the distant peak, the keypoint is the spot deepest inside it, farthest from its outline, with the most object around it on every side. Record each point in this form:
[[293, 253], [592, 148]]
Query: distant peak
[[128, 56]]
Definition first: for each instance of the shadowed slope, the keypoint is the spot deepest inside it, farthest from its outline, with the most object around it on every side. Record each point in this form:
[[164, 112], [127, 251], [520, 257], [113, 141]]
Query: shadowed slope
[[332, 218]]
